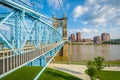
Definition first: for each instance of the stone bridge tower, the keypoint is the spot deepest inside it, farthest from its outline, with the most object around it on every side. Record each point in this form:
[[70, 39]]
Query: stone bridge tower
[[63, 54]]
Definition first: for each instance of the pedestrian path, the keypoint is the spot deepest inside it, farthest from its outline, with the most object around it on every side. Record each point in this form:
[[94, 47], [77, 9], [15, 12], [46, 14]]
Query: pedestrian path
[[77, 70]]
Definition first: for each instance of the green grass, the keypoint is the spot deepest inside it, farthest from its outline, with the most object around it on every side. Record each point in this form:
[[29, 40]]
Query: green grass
[[106, 63], [51, 74], [24, 73], [112, 63], [110, 75], [29, 73], [81, 43], [72, 62], [112, 41]]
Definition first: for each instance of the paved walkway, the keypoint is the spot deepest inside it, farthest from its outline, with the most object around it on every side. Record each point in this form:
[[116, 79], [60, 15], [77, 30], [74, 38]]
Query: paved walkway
[[77, 70]]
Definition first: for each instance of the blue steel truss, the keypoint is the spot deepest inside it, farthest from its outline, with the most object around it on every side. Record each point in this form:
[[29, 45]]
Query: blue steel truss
[[26, 28], [29, 35], [26, 32], [41, 32]]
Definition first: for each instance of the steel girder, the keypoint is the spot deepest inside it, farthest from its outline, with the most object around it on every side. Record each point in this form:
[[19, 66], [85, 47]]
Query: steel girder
[[41, 32]]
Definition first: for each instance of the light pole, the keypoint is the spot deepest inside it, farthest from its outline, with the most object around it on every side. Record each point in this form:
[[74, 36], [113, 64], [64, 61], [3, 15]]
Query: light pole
[[69, 51]]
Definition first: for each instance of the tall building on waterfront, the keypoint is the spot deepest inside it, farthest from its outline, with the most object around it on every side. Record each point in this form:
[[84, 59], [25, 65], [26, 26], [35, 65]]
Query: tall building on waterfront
[[97, 39], [105, 36], [73, 37], [108, 37], [78, 37]]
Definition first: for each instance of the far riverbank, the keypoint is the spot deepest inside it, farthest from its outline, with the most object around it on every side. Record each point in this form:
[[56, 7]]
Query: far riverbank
[[92, 43]]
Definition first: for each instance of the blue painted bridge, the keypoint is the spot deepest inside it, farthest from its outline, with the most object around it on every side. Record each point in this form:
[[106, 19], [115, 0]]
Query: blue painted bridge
[[27, 37]]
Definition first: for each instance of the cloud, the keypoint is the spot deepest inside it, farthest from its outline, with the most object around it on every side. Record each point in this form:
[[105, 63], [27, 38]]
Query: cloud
[[102, 13], [85, 30], [55, 4], [84, 22], [70, 31], [100, 20], [78, 11]]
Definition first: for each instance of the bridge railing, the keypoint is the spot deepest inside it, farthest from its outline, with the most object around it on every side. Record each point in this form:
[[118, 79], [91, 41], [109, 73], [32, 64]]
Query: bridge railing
[[10, 60]]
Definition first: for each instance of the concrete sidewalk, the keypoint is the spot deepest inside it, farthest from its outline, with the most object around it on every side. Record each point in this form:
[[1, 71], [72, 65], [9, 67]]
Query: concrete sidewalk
[[77, 70]]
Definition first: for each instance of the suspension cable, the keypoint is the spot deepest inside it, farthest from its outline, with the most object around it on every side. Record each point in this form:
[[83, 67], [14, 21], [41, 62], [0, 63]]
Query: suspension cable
[[60, 6]]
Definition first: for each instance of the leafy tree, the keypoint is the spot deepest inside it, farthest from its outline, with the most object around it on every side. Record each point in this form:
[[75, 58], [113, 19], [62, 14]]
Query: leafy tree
[[91, 71], [95, 67], [99, 63]]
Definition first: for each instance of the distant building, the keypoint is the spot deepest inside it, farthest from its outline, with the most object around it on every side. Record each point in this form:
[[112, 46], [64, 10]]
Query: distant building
[[108, 37], [97, 39], [72, 38], [78, 37], [87, 40], [105, 36]]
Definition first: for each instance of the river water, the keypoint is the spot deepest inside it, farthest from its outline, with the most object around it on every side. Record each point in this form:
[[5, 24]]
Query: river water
[[88, 52]]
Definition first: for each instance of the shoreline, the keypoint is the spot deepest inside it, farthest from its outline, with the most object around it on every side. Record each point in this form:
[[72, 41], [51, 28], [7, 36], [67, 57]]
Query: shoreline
[[91, 43]]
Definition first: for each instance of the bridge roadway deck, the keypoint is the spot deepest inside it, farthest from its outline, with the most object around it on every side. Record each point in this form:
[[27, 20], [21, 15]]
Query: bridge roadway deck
[[10, 60]]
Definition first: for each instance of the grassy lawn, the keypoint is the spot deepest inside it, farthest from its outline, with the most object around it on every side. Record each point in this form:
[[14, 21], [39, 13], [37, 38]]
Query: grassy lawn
[[51, 74], [106, 63], [29, 73], [72, 62], [110, 75]]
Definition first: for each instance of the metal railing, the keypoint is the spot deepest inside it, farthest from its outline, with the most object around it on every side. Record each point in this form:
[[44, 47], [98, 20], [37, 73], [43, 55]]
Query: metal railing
[[10, 60]]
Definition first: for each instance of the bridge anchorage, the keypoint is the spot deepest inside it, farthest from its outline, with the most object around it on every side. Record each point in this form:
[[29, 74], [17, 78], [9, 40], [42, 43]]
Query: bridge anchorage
[[28, 37]]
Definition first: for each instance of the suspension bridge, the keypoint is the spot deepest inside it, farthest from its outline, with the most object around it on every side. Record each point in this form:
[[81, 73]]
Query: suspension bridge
[[28, 37]]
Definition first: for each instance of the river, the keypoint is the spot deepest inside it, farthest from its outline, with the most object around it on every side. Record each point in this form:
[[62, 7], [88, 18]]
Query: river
[[88, 52]]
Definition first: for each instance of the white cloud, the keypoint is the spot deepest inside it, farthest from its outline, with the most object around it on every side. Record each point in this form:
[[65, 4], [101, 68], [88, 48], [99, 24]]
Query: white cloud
[[70, 31], [100, 20], [102, 13], [90, 2], [84, 22], [85, 30], [78, 11], [55, 4]]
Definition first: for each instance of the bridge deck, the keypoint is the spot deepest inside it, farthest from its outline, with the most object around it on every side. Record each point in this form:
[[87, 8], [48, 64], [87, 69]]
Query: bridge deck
[[10, 60]]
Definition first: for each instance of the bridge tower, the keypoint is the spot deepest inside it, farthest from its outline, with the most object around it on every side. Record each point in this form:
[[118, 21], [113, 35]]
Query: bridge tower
[[63, 54]]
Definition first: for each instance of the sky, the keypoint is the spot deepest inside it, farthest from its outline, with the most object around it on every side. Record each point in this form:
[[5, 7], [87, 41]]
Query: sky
[[90, 17]]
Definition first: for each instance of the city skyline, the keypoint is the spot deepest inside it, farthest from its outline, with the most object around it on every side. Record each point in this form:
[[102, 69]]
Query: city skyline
[[77, 37], [90, 17]]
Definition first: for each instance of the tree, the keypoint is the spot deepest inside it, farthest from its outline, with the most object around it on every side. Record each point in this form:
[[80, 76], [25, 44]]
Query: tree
[[99, 63], [91, 71], [95, 67]]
